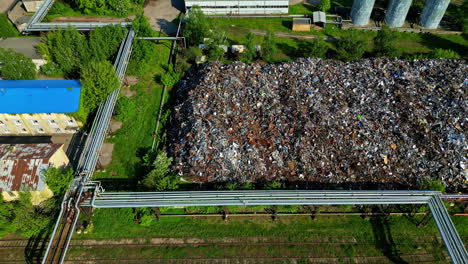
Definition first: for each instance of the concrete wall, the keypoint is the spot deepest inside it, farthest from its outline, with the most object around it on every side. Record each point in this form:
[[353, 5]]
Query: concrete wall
[[433, 12], [396, 12], [32, 6], [361, 11]]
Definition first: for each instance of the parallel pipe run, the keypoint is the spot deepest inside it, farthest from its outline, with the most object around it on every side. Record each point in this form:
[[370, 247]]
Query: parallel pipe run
[[433, 12], [396, 12]]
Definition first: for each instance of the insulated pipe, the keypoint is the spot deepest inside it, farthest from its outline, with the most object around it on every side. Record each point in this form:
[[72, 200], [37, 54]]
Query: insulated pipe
[[433, 12], [396, 12], [361, 11]]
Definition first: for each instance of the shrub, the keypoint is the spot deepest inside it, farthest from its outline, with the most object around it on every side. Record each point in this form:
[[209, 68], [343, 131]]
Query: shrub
[[170, 77], [196, 27], [58, 179], [324, 5], [192, 53], [51, 69], [250, 51], [317, 48], [444, 54], [269, 49], [160, 178], [385, 43], [125, 109], [16, 66], [350, 47]]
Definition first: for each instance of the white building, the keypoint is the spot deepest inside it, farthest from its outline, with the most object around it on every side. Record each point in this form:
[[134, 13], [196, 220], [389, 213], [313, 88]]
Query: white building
[[238, 7]]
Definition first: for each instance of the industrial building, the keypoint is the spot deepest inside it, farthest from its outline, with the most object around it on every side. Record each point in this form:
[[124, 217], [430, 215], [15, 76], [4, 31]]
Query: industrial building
[[238, 7], [37, 107], [22, 168], [397, 11]]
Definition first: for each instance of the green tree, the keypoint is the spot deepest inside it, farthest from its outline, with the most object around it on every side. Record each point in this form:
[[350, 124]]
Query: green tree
[[350, 47], [196, 27], [58, 179], [160, 178], [324, 5], [250, 51], [269, 49], [444, 54], [98, 80], [170, 77], [385, 43], [317, 48], [6, 216], [104, 42], [214, 50], [29, 220], [16, 66], [143, 50]]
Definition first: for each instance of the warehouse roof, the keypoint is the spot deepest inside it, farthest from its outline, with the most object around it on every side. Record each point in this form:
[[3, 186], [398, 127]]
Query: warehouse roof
[[22, 166], [39, 96]]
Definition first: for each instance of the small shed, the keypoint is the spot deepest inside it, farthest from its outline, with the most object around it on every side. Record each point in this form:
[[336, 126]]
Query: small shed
[[319, 18], [301, 24]]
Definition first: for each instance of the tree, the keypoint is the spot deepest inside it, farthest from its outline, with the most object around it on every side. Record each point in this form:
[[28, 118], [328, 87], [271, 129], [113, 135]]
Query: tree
[[250, 51], [16, 66], [104, 42], [160, 178], [143, 50], [350, 48], [214, 50], [324, 5], [99, 80], [170, 77], [6, 216], [317, 48], [385, 43], [58, 179], [28, 218], [197, 27], [444, 54], [269, 49]]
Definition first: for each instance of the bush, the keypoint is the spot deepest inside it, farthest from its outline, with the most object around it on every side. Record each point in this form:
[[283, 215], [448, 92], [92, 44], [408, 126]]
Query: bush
[[444, 54], [250, 52], [170, 77], [192, 53], [324, 5], [7, 30], [16, 66], [160, 178], [385, 43], [143, 50], [317, 48], [350, 47], [432, 185], [104, 7], [51, 69], [58, 179], [269, 49], [125, 109]]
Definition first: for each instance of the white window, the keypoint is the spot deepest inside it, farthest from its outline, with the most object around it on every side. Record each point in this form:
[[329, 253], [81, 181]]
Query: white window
[[40, 130], [71, 122], [58, 130], [18, 123], [53, 122], [24, 130], [2, 123], [35, 122], [7, 131]]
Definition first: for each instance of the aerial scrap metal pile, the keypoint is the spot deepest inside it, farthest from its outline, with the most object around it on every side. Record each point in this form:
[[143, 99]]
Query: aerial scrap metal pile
[[375, 122]]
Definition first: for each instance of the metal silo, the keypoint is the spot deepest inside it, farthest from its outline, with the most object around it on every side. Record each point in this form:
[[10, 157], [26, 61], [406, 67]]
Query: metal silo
[[361, 11], [396, 12], [433, 12]]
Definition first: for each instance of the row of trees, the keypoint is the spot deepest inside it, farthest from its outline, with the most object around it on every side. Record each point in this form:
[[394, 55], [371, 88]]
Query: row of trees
[[75, 55]]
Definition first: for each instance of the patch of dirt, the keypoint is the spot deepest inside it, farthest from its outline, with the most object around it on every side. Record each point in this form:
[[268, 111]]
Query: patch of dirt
[[115, 125], [105, 156]]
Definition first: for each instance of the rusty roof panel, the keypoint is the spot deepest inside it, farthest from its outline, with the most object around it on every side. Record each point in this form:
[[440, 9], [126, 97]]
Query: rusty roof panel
[[22, 166]]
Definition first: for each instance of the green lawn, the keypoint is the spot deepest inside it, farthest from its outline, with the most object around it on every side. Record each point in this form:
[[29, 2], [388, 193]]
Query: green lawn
[[134, 139], [7, 30]]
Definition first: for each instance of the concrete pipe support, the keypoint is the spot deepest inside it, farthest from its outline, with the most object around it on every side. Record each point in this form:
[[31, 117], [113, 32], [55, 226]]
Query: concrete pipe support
[[396, 12], [361, 11], [433, 12]]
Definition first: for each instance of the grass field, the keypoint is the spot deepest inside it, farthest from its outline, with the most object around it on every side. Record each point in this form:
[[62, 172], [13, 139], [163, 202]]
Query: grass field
[[340, 237], [134, 139]]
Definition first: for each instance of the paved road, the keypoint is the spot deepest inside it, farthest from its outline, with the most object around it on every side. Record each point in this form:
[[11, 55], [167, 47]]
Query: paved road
[[5, 5], [162, 13]]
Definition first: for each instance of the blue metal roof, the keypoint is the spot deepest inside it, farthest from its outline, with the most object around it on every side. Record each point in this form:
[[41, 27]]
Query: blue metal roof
[[39, 96]]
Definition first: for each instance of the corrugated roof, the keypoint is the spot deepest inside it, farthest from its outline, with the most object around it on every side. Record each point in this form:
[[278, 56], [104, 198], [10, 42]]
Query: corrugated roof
[[39, 96], [22, 166], [301, 21]]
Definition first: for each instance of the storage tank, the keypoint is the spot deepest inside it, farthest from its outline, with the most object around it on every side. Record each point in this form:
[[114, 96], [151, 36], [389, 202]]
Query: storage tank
[[396, 12], [361, 11], [433, 12]]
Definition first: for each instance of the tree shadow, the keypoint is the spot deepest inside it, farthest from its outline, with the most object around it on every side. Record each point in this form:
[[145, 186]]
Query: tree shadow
[[434, 41], [287, 24], [178, 4], [36, 248], [289, 50], [384, 240]]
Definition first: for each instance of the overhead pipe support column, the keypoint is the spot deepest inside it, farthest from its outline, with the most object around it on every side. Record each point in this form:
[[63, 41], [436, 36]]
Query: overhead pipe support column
[[361, 11], [396, 12], [433, 12]]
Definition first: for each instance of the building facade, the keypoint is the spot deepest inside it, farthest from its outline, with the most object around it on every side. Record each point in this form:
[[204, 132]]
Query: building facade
[[22, 168], [238, 7]]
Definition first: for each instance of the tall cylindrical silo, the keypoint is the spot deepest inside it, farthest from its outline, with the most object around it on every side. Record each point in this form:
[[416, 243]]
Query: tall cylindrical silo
[[396, 12], [361, 11], [433, 12]]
